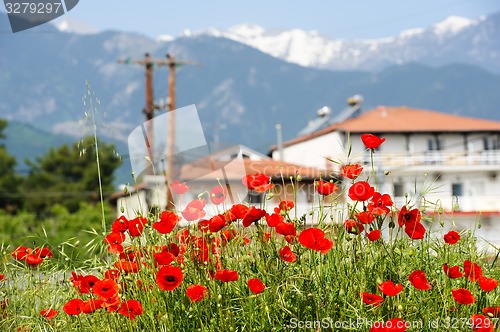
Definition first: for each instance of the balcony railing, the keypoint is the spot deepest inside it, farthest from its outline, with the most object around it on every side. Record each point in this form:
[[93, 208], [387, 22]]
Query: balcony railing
[[435, 158], [476, 203]]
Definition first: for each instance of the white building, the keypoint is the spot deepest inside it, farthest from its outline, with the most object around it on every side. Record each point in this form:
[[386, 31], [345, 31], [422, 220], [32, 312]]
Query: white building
[[448, 159]]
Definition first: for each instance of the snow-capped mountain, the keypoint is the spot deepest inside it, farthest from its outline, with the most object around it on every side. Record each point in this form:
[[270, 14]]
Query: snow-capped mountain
[[455, 39], [72, 25]]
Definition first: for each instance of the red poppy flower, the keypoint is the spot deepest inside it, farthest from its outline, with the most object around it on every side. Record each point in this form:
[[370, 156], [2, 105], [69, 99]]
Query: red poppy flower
[[86, 283], [256, 286], [290, 238], [492, 311], [472, 271], [389, 288], [194, 210], [127, 266], [73, 307], [353, 227], [21, 252], [487, 284], [164, 257], [105, 288], [217, 223], [33, 260], [253, 214], [111, 304], [43, 252], [2, 276], [416, 231], [314, 238], [370, 299], [351, 171], [115, 238], [257, 182], [419, 280], [451, 237], [49, 313], [120, 224], [452, 272], [463, 296], [227, 235], [361, 191], [217, 195], [380, 204], [373, 235], [91, 305], [284, 206], [226, 275], [166, 224], [365, 217], [196, 292], [131, 308], [169, 277], [274, 219], [203, 225], [481, 323], [406, 217], [179, 188], [136, 226], [325, 188], [371, 141], [286, 228], [287, 254], [239, 210]]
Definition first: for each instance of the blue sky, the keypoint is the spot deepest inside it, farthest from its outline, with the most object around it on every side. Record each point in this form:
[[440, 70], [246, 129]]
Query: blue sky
[[333, 18]]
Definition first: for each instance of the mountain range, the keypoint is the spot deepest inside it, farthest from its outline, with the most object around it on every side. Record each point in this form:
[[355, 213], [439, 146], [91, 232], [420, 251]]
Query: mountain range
[[453, 40], [241, 91]]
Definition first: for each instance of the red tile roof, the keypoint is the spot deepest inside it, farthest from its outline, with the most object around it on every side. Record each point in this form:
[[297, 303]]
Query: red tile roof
[[203, 169], [269, 167], [404, 119]]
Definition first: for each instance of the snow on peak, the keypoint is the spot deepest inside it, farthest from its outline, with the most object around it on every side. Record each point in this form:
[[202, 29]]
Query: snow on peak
[[452, 25], [306, 48], [72, 25], [165, 38], [411, 33], [246, 30]]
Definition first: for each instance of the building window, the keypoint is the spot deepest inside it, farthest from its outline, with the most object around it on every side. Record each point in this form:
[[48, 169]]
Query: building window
[[490, 143], [434, 144], [486, 144], [456, 189], [430, 144], [399, 190]]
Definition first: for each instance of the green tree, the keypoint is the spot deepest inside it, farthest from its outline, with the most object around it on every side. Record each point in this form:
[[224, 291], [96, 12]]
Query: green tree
[[9, 180], [68, 175]]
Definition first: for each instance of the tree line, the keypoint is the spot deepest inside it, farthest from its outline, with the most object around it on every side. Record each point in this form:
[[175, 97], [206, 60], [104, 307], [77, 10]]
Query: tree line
[[66, 175]]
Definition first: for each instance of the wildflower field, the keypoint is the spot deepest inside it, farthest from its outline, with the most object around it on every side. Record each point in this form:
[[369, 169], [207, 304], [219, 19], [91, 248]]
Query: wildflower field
[[364, 264]]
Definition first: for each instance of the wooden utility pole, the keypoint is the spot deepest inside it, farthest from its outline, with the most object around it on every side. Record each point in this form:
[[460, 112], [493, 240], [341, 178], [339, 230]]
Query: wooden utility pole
[[171, 128], [149, 108], [171, 63]]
